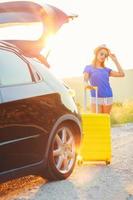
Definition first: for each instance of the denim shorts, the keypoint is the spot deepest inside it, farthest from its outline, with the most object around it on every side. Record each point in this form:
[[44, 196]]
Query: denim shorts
[[102, 100]]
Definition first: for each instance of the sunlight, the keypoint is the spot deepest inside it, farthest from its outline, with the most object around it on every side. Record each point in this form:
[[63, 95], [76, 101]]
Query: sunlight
[[50, 41], [49, 44]]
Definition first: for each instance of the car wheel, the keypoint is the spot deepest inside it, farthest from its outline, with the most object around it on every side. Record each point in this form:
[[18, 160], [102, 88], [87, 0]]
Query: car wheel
[[62, 154]]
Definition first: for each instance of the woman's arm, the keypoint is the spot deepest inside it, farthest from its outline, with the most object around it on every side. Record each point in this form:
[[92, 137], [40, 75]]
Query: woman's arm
[[86, 78], [120, 72]]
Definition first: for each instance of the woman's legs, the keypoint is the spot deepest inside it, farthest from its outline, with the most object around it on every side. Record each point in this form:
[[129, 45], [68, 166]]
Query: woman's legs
[[93, 108], [104, 105], [101, 108], [106, 108]]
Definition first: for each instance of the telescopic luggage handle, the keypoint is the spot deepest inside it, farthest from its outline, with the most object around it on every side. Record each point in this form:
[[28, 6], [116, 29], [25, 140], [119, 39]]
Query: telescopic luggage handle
[[89, 87]]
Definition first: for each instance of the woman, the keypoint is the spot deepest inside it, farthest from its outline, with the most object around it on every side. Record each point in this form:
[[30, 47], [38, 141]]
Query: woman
[[98, 75]]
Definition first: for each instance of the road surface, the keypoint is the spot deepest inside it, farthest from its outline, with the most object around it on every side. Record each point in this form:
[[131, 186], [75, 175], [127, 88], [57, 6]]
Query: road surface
[[88, 182]]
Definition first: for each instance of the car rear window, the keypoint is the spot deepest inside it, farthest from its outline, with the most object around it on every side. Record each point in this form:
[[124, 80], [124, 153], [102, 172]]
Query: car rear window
[[22, 30]]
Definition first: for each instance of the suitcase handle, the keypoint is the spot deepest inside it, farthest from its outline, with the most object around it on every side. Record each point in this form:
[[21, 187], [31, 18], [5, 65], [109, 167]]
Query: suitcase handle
[[89, 87]]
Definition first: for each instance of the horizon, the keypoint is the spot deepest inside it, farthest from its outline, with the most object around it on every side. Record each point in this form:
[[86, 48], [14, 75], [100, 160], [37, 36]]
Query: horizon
[[81, 75], [119, 87]]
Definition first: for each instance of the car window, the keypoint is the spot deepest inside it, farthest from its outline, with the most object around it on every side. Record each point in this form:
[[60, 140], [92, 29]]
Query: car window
[[13, 70], [20, 25]]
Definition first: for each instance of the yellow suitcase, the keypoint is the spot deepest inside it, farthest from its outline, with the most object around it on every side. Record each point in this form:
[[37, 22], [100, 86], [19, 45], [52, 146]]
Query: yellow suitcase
[[96, 141]]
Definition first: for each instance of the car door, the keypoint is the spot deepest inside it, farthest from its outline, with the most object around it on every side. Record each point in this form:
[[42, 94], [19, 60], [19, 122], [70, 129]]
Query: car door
[[21, 140]]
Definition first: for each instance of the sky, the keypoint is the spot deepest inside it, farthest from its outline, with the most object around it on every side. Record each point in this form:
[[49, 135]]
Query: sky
[[99, 22]]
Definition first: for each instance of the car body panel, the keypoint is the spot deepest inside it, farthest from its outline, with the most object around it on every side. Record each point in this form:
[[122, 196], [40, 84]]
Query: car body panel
[[29, 114], [25, 126]]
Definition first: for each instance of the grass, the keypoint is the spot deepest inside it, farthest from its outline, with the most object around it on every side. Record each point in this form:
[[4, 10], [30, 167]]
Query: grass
[[121, 112]]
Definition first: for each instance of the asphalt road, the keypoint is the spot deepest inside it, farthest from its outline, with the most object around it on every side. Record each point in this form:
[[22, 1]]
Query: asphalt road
[[94, 181]]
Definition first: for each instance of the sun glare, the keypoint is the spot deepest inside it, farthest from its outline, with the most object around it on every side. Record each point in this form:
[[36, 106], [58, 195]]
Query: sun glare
[[49, 43]]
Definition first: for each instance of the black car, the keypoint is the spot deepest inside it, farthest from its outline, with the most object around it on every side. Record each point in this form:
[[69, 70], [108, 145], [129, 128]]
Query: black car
[[40, 128]]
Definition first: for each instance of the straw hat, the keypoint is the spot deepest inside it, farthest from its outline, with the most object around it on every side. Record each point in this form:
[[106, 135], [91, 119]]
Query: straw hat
[[103, 46]]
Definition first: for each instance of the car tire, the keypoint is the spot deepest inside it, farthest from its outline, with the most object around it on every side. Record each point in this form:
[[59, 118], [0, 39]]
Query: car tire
[[62, 153]]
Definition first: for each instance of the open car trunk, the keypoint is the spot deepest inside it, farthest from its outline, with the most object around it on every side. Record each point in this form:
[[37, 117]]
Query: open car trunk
[[27, 12]]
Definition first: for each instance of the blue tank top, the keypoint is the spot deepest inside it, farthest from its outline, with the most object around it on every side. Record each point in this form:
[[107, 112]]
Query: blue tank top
[[99, 77]]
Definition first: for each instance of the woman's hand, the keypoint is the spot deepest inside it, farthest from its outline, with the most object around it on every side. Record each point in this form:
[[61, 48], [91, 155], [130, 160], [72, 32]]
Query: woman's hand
[[120, 72], [113, 57]]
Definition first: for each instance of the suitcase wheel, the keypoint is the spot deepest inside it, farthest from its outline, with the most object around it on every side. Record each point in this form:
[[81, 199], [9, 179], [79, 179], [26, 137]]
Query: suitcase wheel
[[80, 162], [107, 162]]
